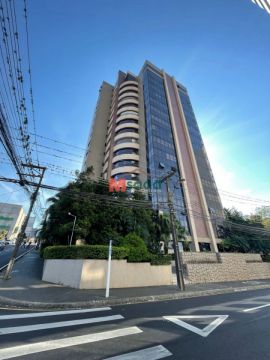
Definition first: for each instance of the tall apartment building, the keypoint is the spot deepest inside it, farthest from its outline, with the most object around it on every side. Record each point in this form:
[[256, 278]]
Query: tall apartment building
[[264, 4], [143, 126]]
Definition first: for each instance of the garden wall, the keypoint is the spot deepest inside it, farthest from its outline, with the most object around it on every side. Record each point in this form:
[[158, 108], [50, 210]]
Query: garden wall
[[91, 274], [212, 267]]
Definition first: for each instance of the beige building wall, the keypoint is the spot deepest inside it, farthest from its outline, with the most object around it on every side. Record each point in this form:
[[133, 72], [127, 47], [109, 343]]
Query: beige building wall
[[201, 226], [127, 104], [97, 138]]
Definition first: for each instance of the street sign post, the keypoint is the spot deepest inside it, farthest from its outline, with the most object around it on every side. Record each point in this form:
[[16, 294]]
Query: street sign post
[[109, 270]]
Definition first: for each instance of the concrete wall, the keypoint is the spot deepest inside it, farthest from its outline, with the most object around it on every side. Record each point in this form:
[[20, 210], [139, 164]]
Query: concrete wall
[[65, 272], [91, 274], [212, 267]]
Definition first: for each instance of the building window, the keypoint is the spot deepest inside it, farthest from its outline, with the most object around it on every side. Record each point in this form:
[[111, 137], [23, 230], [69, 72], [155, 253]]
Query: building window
[[130, 112], [126, 139], [127, 105], [132, 130], [127, 121], [126, 151], [125, 163]]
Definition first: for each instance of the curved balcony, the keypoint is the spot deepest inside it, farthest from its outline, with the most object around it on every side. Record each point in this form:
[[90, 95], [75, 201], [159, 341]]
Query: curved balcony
[[126, 135], [128, 140], [105, 167], [108, 146], [128, 89], [128, 101], [127, 122], [127, 116], [127, 109], [128, 95], [128, 126], [127, 83], [106, 156], [135, 157], [125, 169], [129, 145]]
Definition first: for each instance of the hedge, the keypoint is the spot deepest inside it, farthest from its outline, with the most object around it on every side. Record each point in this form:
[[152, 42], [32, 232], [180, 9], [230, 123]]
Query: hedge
[[101, 252], [132, 240], [138, 255], [161, 259], [266, 258], [84, 252]]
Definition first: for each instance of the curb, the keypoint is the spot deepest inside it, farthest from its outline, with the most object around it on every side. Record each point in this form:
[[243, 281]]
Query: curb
[[8, 303]]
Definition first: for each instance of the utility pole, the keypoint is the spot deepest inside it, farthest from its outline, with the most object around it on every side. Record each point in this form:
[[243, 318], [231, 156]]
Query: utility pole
[[74, 222], [23, 228], [177, 258]]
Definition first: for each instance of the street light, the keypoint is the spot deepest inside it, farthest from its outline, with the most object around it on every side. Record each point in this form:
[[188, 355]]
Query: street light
[[177, 258], [74, 222]]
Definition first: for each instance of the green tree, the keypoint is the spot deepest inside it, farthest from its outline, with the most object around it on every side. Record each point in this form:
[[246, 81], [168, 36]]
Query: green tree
[[243, 239], [101, 215]]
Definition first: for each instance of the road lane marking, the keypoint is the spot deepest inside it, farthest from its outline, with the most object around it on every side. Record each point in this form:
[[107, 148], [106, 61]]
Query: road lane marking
[[256, 308], [51, 313], [12, 288], [26, 328], [202, 332], [152, 353], [12, 352]]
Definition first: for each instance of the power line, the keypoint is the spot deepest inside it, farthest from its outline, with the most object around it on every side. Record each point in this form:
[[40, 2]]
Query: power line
[[59, 142], [30, 73]]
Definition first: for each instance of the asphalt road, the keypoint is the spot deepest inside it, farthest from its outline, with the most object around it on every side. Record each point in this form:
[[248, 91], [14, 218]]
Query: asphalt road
[[6, 253], [236, 329]]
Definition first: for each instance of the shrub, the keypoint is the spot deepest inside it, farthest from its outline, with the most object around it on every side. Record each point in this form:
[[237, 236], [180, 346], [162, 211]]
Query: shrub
[[138, 255], [43, 246], [132, 240], [161, 260], [266, 258], [84, 252], [132, 254]]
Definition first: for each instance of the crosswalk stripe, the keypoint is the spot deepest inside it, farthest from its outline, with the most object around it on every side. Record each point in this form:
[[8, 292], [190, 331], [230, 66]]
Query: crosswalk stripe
[[51, 313], [152, 353], [12, 352], [26, 328], [256, 308]]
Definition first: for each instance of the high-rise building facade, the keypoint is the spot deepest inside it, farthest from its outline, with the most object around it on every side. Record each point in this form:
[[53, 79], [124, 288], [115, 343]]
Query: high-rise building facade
[[143, 127], [264, 4]]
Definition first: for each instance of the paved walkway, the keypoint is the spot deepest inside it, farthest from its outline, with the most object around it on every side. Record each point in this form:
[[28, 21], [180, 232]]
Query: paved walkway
[[25, 289]]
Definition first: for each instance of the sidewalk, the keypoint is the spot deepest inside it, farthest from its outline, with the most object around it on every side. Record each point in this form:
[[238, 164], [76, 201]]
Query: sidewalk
[[26, 290]]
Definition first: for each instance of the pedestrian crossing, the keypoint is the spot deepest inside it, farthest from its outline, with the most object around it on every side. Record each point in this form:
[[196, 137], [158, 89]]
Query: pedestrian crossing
[[153, 353], [51, 313], [56, 344], [27, 328], [9, 353]]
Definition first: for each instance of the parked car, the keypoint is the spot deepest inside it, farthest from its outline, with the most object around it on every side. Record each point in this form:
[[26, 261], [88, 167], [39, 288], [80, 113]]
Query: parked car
[[2, 245]]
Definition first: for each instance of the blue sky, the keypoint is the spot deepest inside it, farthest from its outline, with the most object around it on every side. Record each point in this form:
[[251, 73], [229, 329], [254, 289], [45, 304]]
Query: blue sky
[[219, 49]]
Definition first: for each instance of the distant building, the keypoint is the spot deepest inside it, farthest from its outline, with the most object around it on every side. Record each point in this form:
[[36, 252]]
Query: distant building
[[11, 219], [144, 126], [30, 230], [264, 4]]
